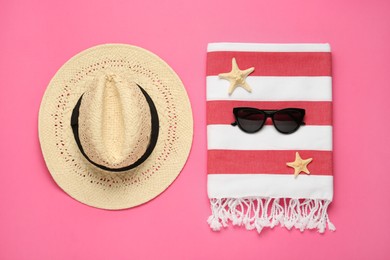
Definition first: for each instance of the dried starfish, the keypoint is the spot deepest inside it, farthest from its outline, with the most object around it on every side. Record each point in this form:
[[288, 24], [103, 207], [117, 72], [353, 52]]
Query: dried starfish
[[237, 77], [299, 165]]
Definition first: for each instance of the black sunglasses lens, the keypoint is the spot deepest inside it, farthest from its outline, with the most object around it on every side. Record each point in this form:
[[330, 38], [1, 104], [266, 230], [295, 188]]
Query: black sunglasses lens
[[288, 120], [250, 120]]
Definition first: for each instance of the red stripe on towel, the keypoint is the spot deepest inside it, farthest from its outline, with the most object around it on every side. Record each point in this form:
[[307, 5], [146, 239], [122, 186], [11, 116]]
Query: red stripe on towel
[[266, 162], [271, 63], [317, 112]]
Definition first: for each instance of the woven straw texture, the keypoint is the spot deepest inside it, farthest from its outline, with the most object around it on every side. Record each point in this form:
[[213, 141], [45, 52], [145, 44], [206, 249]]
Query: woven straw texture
[[71, 171], [114, 121]]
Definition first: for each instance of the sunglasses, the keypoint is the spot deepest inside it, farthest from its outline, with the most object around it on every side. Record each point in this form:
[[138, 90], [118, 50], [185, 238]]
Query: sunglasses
[[251, 120]]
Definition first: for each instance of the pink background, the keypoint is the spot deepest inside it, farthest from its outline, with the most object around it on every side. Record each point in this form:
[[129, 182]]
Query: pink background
[[39, 221]]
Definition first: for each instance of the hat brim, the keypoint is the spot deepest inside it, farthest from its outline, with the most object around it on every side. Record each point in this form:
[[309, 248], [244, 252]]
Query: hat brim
[[71, 170]]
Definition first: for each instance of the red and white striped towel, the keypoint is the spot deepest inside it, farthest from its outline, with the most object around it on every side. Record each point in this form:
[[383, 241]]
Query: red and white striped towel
[[249, 182]]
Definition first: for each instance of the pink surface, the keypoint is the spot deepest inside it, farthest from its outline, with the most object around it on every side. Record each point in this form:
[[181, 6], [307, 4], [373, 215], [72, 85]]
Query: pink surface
[[39, 221]]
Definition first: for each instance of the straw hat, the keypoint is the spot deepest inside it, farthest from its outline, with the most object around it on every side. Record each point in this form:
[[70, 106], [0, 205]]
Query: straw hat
[[115, 126]]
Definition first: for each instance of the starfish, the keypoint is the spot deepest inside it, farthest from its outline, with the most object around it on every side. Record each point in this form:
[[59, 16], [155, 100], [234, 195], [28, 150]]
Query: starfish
[[237, 77], [300, 165]]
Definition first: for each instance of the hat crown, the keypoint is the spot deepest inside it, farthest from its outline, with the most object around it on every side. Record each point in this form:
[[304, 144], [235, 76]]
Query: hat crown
[[114, 121]]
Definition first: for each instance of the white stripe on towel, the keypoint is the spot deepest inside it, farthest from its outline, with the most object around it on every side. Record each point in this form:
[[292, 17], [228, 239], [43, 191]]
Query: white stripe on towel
[[229, 137], [270, 185], [267, 88]]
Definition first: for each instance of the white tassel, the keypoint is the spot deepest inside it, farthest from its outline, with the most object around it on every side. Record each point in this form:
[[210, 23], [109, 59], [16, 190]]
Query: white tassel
[[258, 213], [213, 220], [214, 223], [330, 225]]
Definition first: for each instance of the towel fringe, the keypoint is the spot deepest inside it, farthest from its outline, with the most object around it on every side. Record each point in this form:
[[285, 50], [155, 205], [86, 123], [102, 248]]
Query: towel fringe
[[257, 213]]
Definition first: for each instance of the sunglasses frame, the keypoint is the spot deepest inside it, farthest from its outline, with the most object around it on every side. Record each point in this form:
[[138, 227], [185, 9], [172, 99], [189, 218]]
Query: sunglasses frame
[[268, 113]]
